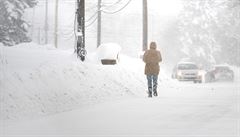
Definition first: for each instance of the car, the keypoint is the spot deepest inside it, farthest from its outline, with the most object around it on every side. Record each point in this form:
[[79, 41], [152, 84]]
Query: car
[[220, 73], [187, 71]]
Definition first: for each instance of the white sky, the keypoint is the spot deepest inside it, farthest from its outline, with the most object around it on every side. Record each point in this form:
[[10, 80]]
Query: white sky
[[165, 7], [161, 7], [157, 10]]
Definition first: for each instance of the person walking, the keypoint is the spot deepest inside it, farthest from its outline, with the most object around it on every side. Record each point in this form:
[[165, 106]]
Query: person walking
[[152, 57]]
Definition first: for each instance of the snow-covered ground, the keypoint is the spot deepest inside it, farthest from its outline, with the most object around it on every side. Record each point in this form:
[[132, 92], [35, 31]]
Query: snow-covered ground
[[49, 92], [39, 80]]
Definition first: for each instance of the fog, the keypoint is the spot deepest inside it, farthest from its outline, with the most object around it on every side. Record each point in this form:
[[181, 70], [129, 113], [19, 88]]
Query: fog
[[181, 28], [47, 90]]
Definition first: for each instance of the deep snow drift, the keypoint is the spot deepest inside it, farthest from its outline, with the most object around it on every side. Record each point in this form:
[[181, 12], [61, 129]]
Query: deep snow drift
[[39, 80], [89, 99]]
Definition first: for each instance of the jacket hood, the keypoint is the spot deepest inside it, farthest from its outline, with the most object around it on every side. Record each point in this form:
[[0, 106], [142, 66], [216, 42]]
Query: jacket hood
[[153, 45]]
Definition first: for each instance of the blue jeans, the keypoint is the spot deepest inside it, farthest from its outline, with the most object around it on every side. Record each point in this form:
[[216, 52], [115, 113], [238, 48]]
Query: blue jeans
[[152, 83]]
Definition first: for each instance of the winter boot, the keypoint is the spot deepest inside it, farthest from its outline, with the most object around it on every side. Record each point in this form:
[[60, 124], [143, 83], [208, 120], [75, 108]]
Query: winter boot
[[150, 94], [155, 94]]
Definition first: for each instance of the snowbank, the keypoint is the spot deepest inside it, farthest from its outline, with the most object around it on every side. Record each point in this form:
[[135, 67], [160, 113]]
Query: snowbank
[[108, 51], [39, 80]]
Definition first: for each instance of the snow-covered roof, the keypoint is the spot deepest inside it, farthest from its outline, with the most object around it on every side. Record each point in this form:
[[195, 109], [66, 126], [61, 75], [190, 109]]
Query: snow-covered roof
[[183, 62], [108, 51]]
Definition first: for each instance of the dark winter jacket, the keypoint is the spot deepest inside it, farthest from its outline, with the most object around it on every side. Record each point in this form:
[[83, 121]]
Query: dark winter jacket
[[152, 57]]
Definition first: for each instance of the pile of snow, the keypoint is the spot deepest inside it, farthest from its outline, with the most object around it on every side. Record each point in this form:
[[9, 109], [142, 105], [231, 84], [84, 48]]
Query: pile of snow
[[108, 51], [105, 51], [39, 80]]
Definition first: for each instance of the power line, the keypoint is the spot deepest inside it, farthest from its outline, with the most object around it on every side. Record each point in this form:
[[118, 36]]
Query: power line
[[108, 5], [107, 12], [92, 22], [95, 13], [92, 16], [113, 12]]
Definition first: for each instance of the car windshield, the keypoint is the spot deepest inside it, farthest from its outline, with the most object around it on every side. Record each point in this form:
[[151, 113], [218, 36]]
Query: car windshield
[[187, 66]]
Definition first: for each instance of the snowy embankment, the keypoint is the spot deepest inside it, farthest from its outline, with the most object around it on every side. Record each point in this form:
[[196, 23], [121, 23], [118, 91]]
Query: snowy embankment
[[39, 80]]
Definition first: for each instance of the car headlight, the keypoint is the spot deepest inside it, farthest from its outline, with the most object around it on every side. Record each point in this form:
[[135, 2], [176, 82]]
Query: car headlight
[[199, 73], [179, 73]]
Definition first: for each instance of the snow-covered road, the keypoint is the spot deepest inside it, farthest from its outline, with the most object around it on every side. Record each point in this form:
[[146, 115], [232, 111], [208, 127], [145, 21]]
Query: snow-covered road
[[192, 110]]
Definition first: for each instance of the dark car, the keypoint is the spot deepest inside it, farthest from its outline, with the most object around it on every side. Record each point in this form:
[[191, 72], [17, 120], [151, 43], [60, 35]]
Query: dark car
[[220, 73]]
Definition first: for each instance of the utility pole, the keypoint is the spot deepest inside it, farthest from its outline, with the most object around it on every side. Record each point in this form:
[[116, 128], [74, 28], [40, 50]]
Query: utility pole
[[145, 25], [56, 25], [46, 22], [99, 23], [81, 52]]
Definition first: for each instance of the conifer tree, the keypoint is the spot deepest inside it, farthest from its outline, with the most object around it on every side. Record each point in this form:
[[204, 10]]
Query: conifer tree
[[13, 27]]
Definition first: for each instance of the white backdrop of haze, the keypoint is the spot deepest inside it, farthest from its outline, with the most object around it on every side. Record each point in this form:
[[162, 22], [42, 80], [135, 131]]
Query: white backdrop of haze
[[124, 27], [47, 91]]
